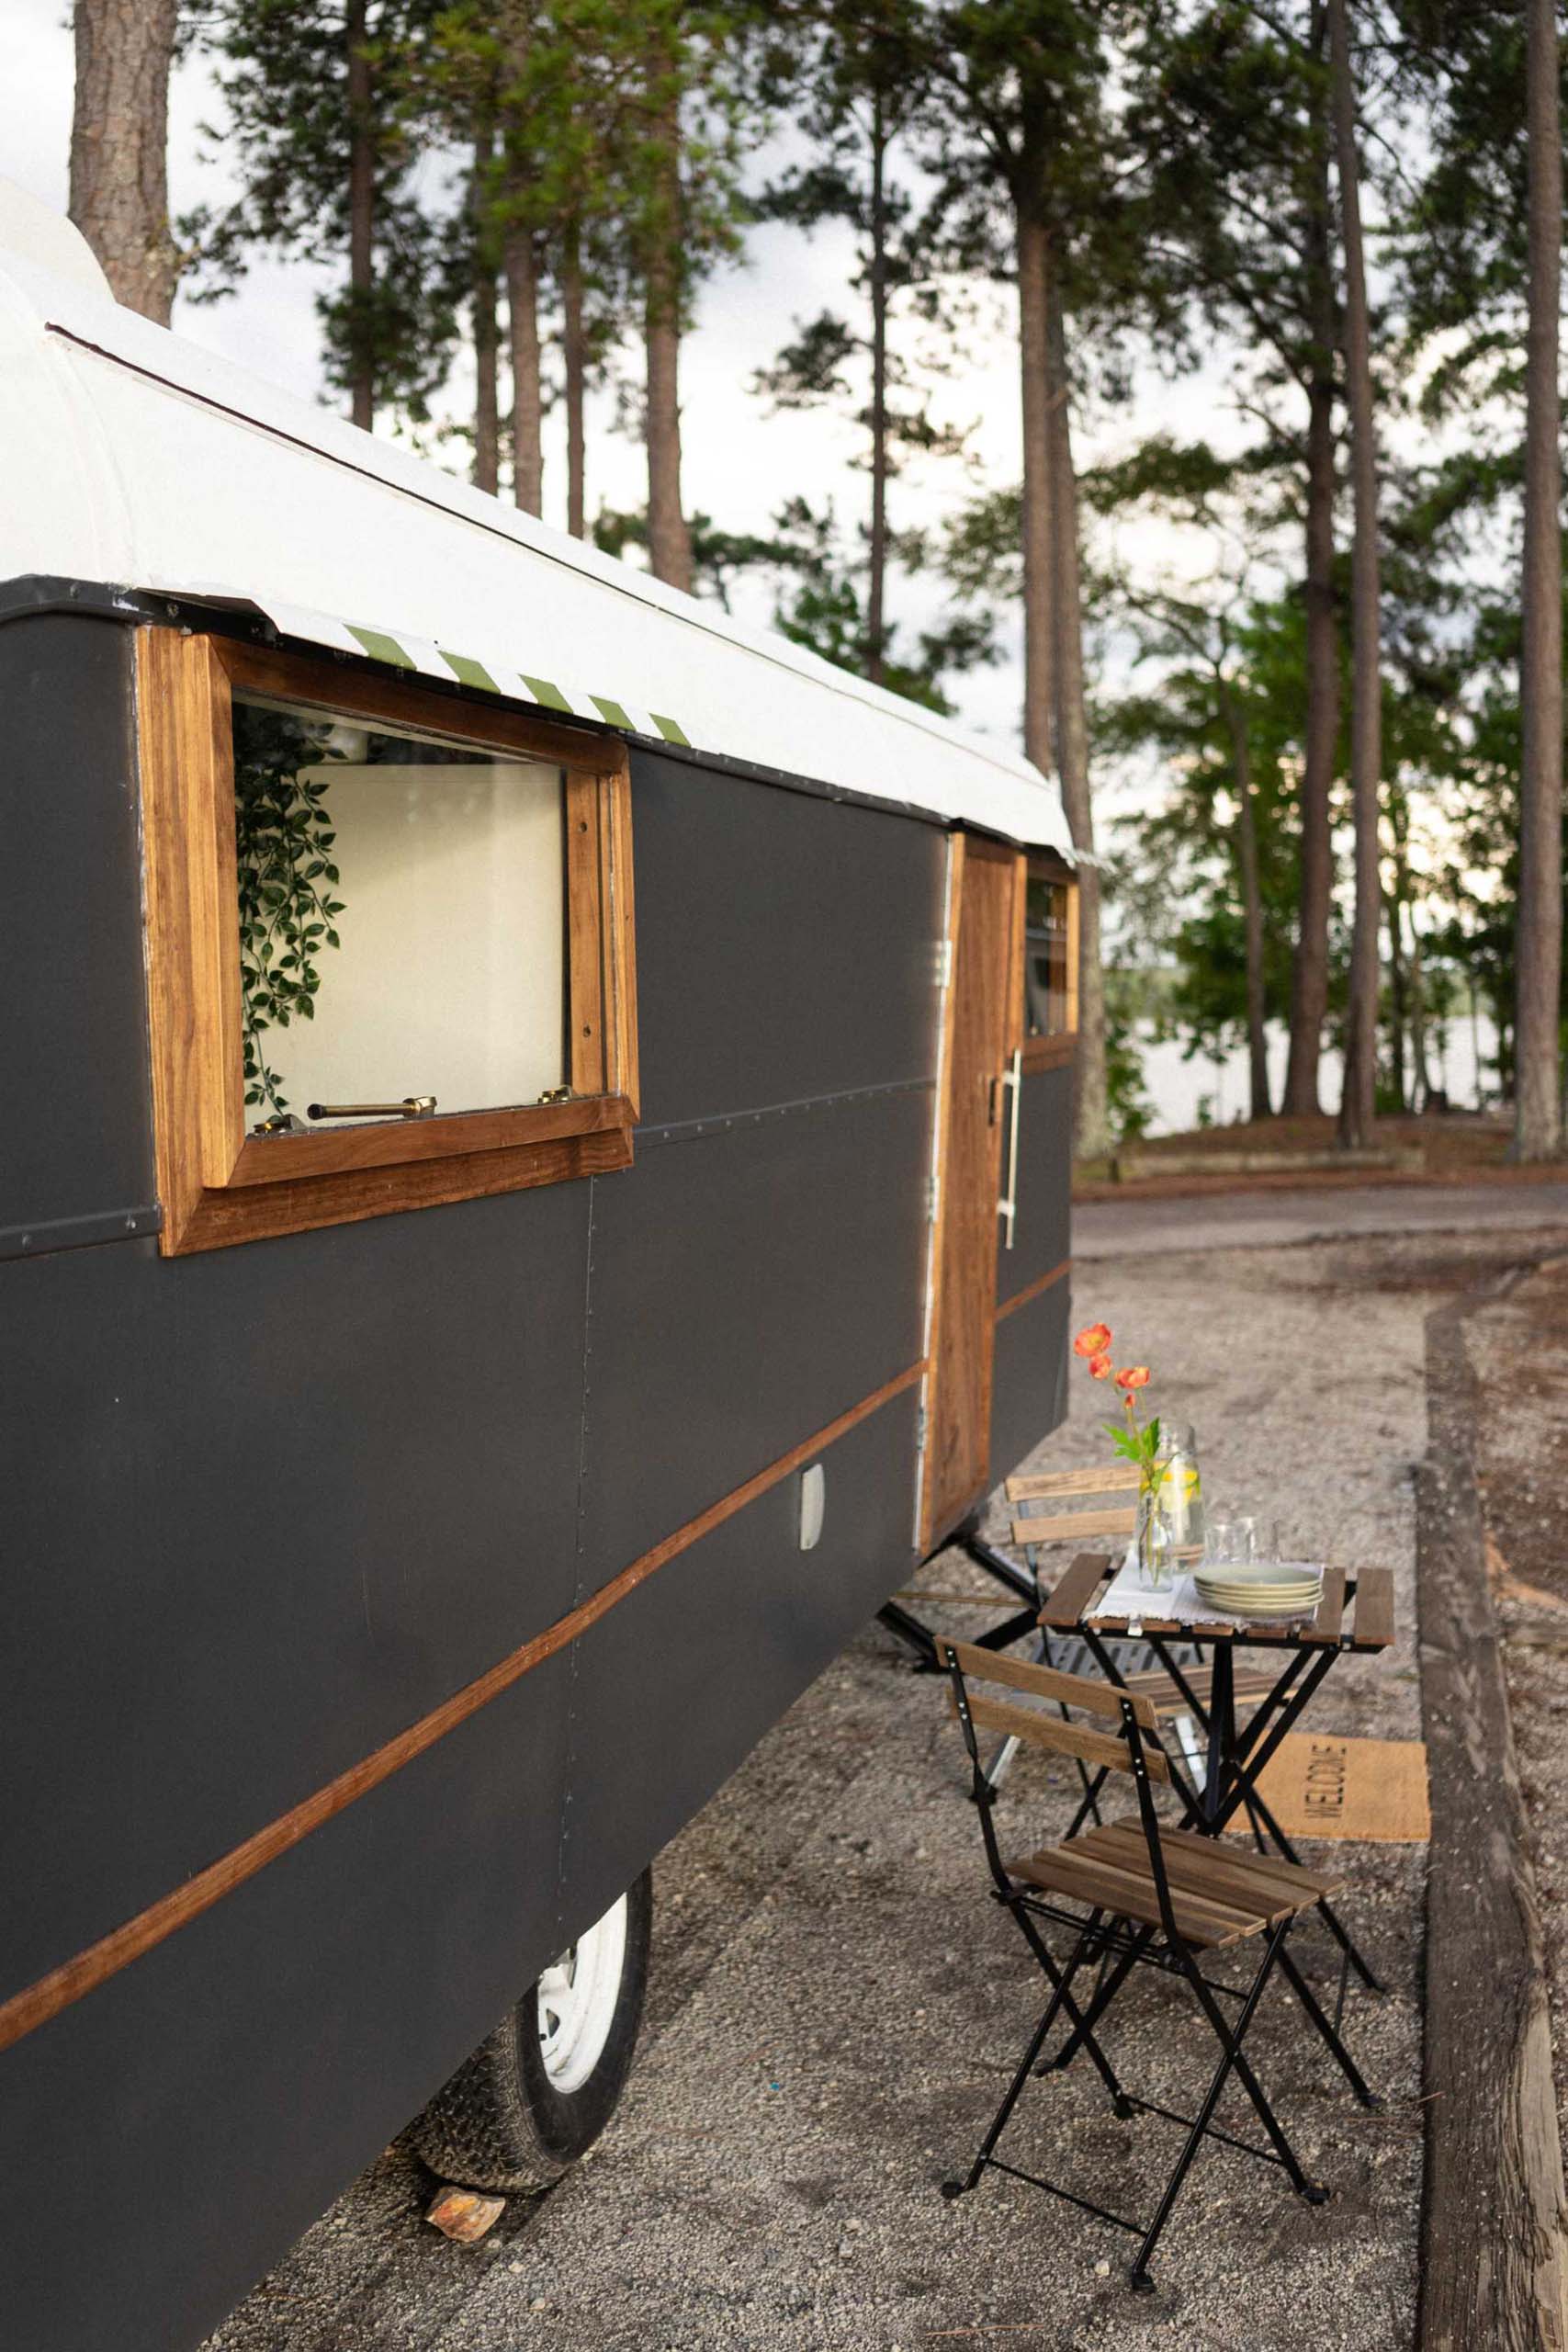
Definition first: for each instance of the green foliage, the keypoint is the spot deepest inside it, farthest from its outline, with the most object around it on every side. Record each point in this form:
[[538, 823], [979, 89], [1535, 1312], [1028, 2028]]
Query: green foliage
[[819, 595], [283, 71], [821, 605], [1132, 1113], [283, 840], [1216, 670]]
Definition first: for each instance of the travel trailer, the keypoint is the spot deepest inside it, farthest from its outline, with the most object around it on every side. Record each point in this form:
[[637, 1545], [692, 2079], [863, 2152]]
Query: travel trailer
[[534, 1193]]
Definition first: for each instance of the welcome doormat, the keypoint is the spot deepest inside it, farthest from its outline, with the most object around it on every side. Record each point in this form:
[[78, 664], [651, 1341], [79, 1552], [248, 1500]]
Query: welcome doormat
[[1317, 1784]]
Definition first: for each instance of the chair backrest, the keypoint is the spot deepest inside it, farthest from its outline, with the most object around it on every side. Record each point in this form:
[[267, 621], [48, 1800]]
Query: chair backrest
[[1132, 1714], [1031, 1528], [1133, 1747]]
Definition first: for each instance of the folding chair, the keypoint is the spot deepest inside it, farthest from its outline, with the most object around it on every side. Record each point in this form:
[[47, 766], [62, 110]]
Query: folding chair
[[1147, 1897], [1182, 1701]]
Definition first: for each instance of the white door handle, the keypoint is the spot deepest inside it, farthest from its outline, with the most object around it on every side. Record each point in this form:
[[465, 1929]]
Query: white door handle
[[1008, 1205]]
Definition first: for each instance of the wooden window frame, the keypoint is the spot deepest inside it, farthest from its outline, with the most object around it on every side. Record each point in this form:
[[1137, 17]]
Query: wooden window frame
[[220, 1185], [1055, 1052]]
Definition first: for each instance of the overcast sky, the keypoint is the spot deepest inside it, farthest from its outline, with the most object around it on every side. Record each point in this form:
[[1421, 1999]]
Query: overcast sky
[[741, 460]]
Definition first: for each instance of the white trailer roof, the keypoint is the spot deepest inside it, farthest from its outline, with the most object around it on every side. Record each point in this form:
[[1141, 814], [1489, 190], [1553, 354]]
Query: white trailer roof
[[132, 457]]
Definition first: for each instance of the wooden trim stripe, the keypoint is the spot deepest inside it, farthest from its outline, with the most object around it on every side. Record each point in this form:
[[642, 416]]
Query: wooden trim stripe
[[38, 2003], [1032, 1290]]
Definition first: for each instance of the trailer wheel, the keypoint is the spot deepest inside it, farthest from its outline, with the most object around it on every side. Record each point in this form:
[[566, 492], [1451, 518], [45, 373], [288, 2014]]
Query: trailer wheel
[[535, 2096]]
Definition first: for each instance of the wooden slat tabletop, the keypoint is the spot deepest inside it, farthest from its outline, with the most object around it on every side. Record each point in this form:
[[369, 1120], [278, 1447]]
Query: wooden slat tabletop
[[1373, 1626], [1326, 1627], [1074, 1591]]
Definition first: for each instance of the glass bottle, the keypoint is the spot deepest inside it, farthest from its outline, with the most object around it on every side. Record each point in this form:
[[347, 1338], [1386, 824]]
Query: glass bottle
[[1181, 1489]]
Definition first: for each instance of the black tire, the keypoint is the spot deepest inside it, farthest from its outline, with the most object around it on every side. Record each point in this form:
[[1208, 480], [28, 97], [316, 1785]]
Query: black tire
[[501, 2123]]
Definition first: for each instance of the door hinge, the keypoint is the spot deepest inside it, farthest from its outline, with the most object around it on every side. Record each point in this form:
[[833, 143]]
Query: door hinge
[[933, 1196], [944, 962], [920, 1431]]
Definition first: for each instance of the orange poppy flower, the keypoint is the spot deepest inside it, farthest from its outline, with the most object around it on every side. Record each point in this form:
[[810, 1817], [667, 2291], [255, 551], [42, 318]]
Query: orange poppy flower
[[1135, 1376], [1100, 1365], [1092, 1341]]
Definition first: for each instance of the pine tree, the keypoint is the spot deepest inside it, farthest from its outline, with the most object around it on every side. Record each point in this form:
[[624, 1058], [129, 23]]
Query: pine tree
[[1359, 1103], [120, 140], [1537, 1128], [1233, 117], [865, 75], [1028, 139], [323, 132]]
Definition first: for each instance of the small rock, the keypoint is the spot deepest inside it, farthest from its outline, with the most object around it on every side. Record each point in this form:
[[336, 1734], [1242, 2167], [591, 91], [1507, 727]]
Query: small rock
[[1102, 2270]]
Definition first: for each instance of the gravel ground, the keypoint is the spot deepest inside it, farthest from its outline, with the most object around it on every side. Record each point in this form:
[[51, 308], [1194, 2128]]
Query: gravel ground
[[836, 2003], [1518, 1346]]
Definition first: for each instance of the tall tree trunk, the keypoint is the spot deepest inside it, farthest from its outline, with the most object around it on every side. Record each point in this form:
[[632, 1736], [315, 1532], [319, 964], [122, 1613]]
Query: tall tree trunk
[[1092, 1116], [1358, 1105], [1421, 1090], [520, 265], [1251, 901], [361, 217], [119, 147], [487, 399], [1039, 632], [1309, 979], [527, 389], [574, 349], [1399, 1001], [876, 583], [668, 541], [1538, 1106]]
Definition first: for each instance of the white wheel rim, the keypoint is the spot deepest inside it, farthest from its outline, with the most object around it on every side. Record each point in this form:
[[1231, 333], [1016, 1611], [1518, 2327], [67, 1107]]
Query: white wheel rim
[[577, 2000]]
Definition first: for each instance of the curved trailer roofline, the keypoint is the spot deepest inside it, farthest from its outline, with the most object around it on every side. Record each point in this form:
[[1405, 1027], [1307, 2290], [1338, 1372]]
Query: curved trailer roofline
[[135, 458]]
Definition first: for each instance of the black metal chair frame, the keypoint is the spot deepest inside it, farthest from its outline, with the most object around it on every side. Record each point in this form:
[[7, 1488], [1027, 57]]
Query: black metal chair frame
[[1116, 1944], [1236, 1760]]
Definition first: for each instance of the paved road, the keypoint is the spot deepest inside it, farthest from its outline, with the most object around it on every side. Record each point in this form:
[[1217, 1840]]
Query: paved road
[[1269, 1220]]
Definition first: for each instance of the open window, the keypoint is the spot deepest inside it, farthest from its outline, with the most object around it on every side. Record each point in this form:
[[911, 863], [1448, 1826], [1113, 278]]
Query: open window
[[389, 943], [1050, 963]]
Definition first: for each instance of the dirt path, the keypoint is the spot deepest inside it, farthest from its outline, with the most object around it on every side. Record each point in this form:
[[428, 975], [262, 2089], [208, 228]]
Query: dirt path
[[836, 2003]]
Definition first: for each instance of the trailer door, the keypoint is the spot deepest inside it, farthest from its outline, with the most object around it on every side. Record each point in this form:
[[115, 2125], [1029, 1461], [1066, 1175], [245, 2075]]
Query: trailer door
[[982, 1017]]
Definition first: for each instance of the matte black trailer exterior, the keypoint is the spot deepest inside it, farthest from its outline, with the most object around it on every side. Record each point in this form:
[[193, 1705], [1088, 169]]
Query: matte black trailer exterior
[[266, 1507]]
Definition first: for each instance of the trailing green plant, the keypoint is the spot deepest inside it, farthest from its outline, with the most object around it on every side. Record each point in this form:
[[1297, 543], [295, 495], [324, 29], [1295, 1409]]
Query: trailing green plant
[[283, 842]]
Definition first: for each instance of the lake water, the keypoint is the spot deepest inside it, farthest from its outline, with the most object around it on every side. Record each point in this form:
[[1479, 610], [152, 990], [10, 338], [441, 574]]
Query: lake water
[[1176, 1087]]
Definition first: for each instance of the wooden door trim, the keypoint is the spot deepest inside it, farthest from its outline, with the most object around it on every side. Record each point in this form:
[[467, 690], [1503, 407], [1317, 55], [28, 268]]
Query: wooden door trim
[[968, 849], [957, 844]]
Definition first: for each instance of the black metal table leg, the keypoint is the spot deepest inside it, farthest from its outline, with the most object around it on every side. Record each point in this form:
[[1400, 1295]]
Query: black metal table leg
[[1221, 1735]]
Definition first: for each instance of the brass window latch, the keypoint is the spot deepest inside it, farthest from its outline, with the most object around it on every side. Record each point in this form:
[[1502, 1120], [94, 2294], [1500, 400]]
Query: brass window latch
[[412, 1106]]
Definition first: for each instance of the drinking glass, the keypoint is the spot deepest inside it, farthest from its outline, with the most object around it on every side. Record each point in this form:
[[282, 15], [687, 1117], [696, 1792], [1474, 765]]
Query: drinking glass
[[1231, 1540]]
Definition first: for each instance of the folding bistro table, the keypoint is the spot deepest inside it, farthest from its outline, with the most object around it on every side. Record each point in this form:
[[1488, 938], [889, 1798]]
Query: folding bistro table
[[1236, 1755]]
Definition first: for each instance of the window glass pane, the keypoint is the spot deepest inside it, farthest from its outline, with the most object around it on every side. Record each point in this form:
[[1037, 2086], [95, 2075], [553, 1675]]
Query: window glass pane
[[402, 916], [1045, 957]]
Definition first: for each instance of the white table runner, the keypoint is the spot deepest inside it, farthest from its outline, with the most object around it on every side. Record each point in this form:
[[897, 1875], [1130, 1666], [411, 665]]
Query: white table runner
[[1128, 1596]]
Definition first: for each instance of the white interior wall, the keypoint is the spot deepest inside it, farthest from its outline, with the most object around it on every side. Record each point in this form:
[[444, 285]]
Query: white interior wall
[[450, 977]]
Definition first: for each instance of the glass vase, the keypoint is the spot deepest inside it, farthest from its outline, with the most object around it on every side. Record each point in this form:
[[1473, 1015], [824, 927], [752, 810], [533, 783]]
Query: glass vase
[[1156, 1539]]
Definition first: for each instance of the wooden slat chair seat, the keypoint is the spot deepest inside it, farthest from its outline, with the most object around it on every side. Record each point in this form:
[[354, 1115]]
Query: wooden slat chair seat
[[1145, 1895], [1218, 1897], [1248, 1684]]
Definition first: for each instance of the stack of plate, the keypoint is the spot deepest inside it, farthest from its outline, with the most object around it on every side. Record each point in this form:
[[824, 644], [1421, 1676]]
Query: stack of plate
[[1261, 1591]]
